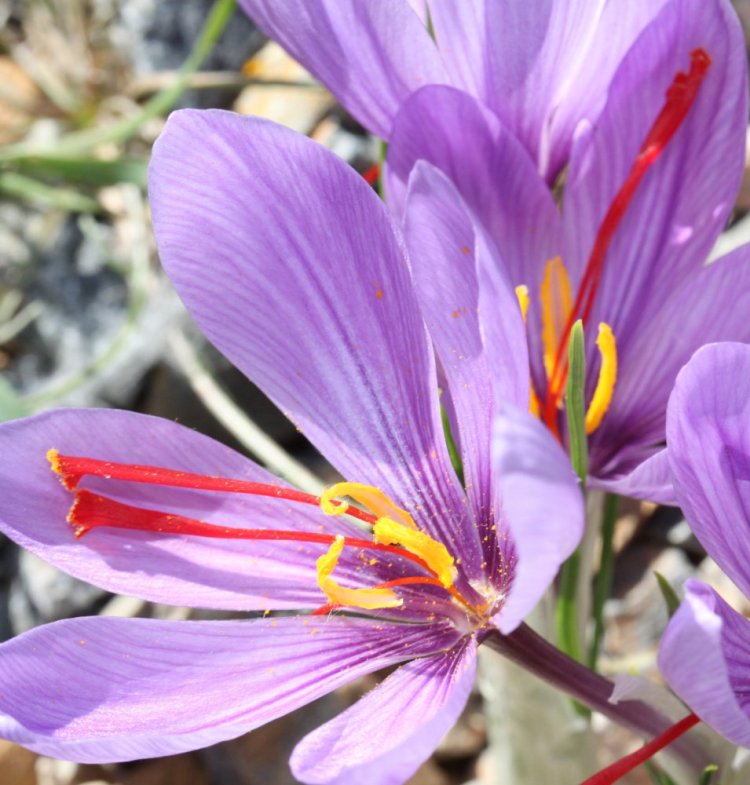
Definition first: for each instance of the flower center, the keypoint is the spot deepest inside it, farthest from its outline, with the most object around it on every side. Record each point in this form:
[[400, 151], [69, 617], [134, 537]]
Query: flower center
[[559, 310], [392, 529]]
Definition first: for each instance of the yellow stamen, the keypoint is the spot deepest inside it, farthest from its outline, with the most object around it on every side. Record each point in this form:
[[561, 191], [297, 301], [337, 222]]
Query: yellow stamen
[[53, 456], [557, 303], [369, 599], [605, 384], [534, 406], [522, 293], [433, 553], [369, 497]]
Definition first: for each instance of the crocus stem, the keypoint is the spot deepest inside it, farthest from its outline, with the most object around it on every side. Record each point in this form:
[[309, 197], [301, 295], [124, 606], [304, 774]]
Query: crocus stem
[[532, 652]]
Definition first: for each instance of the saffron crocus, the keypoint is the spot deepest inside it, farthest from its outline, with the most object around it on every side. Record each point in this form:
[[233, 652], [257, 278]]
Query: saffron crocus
[[294, 269], [539, 66], [645, 106], [705, 651]]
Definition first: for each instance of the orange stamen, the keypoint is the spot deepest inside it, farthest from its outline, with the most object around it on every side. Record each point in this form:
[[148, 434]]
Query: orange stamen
[[680, 97]]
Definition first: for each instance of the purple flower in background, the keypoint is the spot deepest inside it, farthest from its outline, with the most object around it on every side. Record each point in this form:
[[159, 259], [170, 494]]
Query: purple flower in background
[[705, 651], [512, 98], [538, 66], [293, 268]]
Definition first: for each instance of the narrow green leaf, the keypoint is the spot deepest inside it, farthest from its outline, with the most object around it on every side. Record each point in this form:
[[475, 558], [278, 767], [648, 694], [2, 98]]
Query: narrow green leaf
[[566, 612], [456, 461], [86, 169], [668, 593], [18, 186], [603, 580], [11, 404], [161, 103], [575, 402], [658, 777]]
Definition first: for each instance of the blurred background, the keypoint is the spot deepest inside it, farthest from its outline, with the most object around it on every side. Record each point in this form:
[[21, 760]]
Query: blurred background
[[88, 319]]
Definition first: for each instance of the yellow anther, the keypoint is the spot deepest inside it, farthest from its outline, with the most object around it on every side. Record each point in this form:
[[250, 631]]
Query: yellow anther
[[534, 406], [53, 456], [329, 504], [369, 599], [433, 553], [522, 293], [557, 303], [373, 499], [605, 384]]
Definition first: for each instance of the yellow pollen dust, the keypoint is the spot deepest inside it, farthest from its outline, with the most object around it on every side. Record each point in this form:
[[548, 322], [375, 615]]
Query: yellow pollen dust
[[368, 599], [605, 384], [557, 303]]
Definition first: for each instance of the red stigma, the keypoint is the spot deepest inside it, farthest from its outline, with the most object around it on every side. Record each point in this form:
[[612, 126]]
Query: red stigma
[[680, 97], [625, 765], [91, 511], [371, 174], [73, 468]]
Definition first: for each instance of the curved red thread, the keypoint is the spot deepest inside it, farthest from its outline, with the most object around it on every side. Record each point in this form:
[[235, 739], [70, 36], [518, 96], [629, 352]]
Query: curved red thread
[[73, 468], [621, 767], [680, 97], [91, 511]]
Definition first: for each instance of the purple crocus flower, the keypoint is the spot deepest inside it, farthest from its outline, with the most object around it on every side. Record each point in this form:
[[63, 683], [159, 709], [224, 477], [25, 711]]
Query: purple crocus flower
[[507, 95], [705, 651], [294, 269]]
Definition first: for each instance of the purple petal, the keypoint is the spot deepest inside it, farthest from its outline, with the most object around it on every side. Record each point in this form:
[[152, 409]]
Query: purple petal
[[705, 658], [650, 480], [180, 570], [685, 198], [711, 305], [383, 738], [420, 9], [369, 55], [708, 439], [542, 505], [446, 244], [539, 65], [488, 166], [494, 175], [309, 293], [107, 689]]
